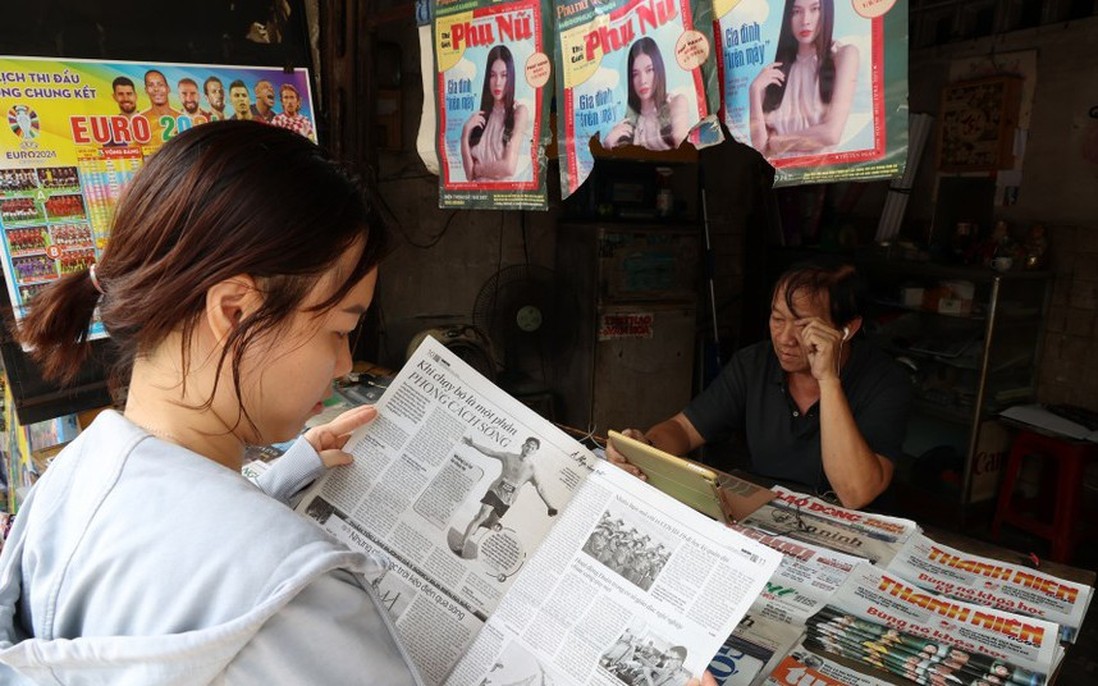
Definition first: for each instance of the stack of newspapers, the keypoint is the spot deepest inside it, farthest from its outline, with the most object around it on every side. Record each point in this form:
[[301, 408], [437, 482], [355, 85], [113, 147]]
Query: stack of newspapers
[[865, 599]]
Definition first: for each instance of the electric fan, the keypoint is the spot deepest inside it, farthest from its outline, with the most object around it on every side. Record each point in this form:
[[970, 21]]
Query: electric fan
[[530, 319], [467, 342]]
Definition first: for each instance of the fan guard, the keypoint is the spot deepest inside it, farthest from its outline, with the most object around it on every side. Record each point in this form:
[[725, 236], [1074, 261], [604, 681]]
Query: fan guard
[[528, 317]]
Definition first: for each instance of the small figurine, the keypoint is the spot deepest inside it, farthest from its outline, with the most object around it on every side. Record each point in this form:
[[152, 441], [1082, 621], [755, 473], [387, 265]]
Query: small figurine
[[1035, 248], [998, 244]]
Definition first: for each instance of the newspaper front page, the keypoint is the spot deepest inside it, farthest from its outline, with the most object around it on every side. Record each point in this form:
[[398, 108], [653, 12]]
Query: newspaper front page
[[883, 621], [754, 648], [631, 587], [456, 483], [875, 537], [982, 580], [802, 667], [806, 579]]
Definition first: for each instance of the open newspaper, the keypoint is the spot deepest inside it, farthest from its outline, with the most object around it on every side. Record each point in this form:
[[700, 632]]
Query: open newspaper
[[515, 556], [804, 582]]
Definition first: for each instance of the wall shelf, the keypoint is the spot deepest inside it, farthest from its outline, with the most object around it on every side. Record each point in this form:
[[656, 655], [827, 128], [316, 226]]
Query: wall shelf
[[965, 368]]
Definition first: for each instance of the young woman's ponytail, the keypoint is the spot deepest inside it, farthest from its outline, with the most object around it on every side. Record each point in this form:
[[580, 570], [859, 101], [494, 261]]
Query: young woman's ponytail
[[56, 328]]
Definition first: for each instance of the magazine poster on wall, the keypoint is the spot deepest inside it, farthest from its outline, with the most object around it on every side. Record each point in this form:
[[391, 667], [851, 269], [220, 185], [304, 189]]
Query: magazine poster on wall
[[78, 130], [492, 92], [819, 87], [632, 72]]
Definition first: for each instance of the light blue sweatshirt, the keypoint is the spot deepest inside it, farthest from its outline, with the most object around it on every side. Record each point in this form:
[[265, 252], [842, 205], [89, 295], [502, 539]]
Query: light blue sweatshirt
[[136, 561]]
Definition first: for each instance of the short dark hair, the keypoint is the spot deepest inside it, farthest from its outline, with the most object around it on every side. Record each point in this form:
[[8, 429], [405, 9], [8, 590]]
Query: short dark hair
[[238, 84], [838, 279], [187, 79], [208, 81], [121, 81], [536, 442], [221, 199], [677, 651]]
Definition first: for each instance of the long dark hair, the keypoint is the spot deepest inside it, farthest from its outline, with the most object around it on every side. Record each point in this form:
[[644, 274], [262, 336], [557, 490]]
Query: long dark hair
[[787, 54], [647, 46], [500, 52], [221, 199]]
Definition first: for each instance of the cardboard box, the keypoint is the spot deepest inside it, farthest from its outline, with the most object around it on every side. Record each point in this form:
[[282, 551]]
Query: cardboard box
[[912, 297]]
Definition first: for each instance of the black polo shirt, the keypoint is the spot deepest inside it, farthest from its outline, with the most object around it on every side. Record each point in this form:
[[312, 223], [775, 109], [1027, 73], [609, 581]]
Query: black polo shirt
[[750, 398]]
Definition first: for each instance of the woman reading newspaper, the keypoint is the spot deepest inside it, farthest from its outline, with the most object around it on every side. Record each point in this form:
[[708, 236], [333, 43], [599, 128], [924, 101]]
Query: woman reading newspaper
[[239, 262]]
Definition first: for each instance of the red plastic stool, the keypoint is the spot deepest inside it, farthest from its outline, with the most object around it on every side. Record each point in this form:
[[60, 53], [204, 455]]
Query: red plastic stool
[[1069, 458]]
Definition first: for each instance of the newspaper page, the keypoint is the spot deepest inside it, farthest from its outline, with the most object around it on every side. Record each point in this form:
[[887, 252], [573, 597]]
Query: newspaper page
[[889, 624], [802, 584], [456, 484], [801, 667], [994, 583], [806, 579], [754, 648], [875, 537], [630, 587]]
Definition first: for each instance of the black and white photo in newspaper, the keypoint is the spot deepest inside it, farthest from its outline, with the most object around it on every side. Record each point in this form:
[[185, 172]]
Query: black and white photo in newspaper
[[631, 587], [455, 484]]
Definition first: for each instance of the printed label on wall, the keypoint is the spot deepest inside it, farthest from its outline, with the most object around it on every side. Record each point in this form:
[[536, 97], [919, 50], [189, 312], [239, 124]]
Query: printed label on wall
[[626, 325]]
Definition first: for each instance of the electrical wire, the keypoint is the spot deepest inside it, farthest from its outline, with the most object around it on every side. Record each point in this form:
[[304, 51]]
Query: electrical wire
[[407, 177], [433, 241], [581, 435], [525, 242], [393, 221]]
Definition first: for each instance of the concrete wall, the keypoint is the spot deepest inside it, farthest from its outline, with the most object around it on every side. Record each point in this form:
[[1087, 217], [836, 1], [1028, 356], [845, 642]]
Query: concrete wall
[[1060, 180], [444, 256]]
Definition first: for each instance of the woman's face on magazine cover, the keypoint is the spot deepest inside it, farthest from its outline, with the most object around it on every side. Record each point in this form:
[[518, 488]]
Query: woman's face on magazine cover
[[805, 22], [644, 77], [497, 79], [286, 379]]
